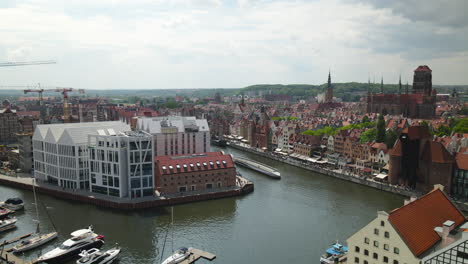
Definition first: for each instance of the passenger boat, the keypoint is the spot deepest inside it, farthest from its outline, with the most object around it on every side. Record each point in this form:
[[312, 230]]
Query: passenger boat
[[34, 242], [4, 212], [80, 240], [334, 254], [14, 204], [7, 224], [260, 167], [179, 255], [95, 256]]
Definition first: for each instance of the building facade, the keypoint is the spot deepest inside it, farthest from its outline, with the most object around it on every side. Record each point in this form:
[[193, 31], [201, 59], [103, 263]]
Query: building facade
[[60, 151], [210, 171], [122, 164], [421, 103], [176, 135], [9, 126], [409, 233], [25, 151]]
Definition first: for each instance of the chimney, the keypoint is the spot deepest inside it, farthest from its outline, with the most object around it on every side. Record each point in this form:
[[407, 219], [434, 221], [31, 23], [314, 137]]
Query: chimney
[[444, 232], [410, 200], [438, 186]]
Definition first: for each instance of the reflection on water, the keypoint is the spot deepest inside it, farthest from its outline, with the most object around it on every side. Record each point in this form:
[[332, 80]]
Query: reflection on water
[[288, 221]]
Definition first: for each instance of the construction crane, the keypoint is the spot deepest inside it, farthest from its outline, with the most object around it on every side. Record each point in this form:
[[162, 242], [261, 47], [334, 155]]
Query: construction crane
[[64, 91], [24, 63]]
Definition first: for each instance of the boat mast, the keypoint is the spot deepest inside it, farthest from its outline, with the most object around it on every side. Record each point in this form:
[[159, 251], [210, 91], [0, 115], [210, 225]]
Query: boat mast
[[35, 203], [172, 227]]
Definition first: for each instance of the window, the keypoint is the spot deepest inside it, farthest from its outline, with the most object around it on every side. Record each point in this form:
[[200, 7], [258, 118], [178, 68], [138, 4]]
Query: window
[[356, 260], [209, 186], [366, 252], [382, 223], [385, 259], [182, 189], [365, 262], [395, 261], [356, 249], [396, 250], [386, 247], [376, 231], [376, 243], [366, 240], [387, 234], [375, 256]]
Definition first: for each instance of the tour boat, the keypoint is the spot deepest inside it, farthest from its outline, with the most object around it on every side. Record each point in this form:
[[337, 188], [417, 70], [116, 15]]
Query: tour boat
[[7, 224], [180, 255], [14, 204], [4, 212], [333, 254], [80, 240], [260, 167], [95, 256], [34, 242]]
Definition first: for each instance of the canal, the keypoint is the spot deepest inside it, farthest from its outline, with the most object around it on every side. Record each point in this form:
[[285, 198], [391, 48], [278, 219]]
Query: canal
[[292, 220]]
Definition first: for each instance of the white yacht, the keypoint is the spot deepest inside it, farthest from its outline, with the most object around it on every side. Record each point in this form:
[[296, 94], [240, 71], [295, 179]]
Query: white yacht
[[14, 204], [80, 240], [260, 167], [179, 255], [7, 224], [95, 256], [34, 242]]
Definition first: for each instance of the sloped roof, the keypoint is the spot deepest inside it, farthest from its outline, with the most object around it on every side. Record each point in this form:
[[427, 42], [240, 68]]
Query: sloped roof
[[436, 152], [416, 132], [396, 150], [423, 68], [462, 160], [219, 160], [415, 222]]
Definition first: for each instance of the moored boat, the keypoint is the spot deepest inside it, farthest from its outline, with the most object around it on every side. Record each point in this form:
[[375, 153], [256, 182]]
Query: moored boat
[[178, 256], [7, 224], [4, 212], [14, 204], [334, 254], [95, 256], [260, 167], [34, 242], [80, 240]]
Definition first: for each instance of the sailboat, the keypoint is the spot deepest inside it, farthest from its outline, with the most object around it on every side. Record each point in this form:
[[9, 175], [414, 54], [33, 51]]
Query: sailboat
[[179, 255], [38, 239]]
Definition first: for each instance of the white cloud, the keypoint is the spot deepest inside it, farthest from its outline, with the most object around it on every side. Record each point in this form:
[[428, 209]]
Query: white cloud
[[197, 43]]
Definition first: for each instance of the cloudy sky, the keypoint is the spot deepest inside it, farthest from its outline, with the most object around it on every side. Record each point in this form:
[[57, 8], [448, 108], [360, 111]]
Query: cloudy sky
[[134, 44]]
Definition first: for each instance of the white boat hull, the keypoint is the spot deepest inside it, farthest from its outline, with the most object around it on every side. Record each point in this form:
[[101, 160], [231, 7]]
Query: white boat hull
[[273, 173], [35, 242]]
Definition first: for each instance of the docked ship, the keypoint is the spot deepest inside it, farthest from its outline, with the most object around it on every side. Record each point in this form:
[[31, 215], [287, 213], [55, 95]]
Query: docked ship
[[260, 167], [218, 141], [335, 254]]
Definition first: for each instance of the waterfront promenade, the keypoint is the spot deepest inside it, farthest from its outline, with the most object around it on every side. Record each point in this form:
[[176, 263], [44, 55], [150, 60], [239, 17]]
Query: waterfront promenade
[[26, 181], [383, 186]]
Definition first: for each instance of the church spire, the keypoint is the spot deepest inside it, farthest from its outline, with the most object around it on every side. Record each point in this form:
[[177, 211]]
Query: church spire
[[368, 86], [399, 86], [329, 79], [242, 100], [381, 86], [407, 87]]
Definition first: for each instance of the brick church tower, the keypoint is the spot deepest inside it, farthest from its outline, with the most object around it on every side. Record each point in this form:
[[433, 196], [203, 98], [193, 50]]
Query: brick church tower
[[329, 91], [422, 80]]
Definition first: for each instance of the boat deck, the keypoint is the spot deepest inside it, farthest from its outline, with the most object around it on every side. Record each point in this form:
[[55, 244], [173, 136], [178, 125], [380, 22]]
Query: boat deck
[[258, 164], [196, 254]]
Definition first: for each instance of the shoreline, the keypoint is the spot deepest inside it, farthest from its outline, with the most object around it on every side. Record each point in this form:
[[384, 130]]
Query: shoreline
[[346, 177], [26, 183]]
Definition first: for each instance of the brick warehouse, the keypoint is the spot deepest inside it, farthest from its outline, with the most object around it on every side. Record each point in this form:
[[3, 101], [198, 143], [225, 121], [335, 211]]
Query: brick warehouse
[[194, 173]]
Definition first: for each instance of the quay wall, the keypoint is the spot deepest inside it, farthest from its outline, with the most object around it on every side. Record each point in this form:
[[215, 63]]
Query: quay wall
[[248, 188], [373, 184]]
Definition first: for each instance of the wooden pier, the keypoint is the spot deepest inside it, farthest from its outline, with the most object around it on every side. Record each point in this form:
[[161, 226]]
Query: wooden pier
[[8, 258], [196, 254]]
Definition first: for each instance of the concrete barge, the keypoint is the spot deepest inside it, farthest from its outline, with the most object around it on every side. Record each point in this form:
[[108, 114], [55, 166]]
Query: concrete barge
[[260, 167]]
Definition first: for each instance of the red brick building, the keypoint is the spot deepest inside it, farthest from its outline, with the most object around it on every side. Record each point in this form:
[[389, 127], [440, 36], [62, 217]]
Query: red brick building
[[194, 173]]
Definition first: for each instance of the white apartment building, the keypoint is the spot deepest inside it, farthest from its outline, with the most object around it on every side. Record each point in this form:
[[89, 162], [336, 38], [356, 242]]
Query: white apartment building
[[122, 164], [60, 151], [176, 135]]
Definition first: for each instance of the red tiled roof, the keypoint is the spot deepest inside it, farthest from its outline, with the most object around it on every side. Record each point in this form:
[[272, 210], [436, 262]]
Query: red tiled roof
[[423, 68], [436, 152], [396, 150], [415, 222], [201, 158], [417, 132], [462, 161]]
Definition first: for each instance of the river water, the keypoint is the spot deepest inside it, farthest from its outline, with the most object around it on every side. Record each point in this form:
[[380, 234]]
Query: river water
[[292, 220]]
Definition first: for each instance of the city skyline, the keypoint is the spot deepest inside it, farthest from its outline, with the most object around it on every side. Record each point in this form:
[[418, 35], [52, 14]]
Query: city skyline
[[118, 44]]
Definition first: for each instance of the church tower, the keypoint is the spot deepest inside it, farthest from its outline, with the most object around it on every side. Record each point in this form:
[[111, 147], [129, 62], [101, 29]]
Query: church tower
[[329, 91], [399, 86], [422, 80]]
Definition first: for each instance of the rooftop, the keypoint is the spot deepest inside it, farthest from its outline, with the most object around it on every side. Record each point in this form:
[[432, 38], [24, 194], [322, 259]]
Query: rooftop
[[194, 162]]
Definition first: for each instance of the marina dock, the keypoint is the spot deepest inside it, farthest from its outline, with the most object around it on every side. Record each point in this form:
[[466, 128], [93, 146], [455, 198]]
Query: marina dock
[[196, 254], [8, 258]]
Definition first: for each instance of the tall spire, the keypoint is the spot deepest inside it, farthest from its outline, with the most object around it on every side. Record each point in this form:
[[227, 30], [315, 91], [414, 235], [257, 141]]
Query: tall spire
[[381, 85], [242, 100], [329, 79], [368, 86], [407, 87], [399, 86]]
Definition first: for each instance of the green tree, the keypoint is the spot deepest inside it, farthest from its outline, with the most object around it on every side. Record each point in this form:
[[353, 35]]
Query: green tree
[[365, 119], [368, 136], [461, 126], [390, 138], [443, 130], [380, 129]]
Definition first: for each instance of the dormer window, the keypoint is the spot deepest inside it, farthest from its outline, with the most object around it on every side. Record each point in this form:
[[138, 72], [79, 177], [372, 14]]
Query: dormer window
[[191, 166], [224, 163], [177, 166], [211, 164], [198, 165], [170, 167], [218, 163], [204, 164], [164, 168]]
